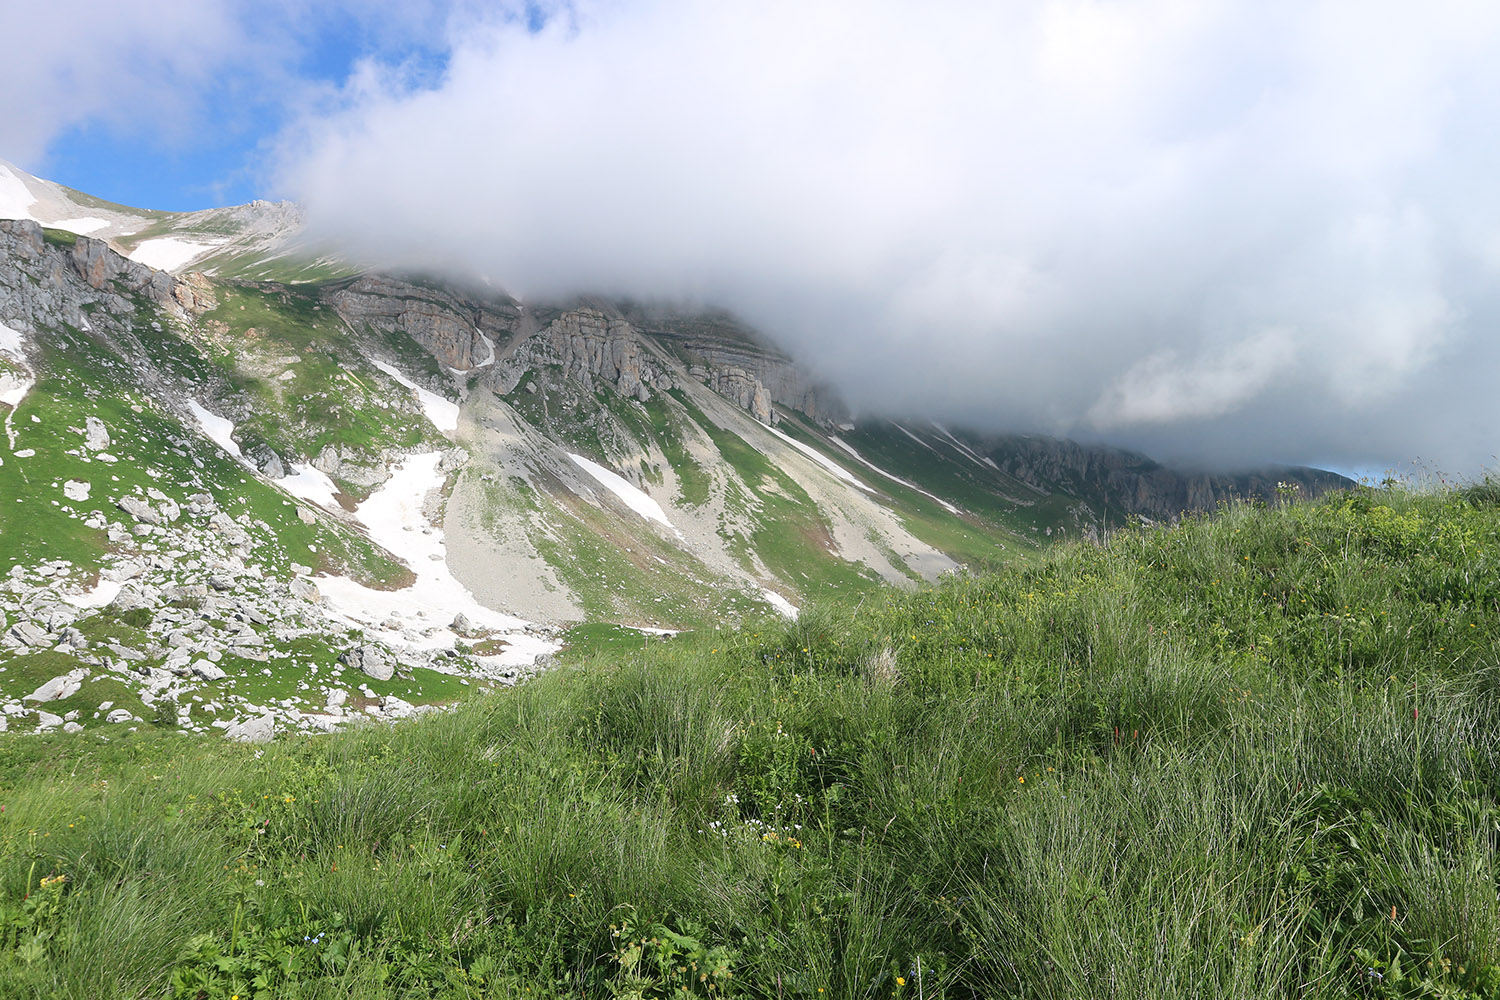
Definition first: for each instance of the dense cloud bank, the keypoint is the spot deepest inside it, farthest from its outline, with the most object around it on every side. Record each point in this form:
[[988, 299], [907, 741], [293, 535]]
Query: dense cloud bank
[[1223, 231]]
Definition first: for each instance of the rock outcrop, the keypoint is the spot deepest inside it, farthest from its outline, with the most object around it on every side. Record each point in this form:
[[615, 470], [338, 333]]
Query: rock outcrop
[[453, 328], [1127, 481]]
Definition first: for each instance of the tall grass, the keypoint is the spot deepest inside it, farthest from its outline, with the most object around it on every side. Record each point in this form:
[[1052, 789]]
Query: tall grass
[[1253, 755]]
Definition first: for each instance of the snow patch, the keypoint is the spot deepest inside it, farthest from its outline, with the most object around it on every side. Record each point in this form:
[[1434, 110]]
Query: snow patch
[[12, 342], [919, 441], [16, 198], [420, 613], [443, 413], [80, 227], [823, 460], [219, 430], [13, 385], [167, 253], [491, 345], [628, 494], [307, 483], [780, 603], [894, 478], [102, 594], [965, 449]]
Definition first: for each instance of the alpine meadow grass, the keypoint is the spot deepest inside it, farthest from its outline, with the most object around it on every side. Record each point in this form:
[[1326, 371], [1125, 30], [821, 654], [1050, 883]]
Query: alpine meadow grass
[[1252, 755]]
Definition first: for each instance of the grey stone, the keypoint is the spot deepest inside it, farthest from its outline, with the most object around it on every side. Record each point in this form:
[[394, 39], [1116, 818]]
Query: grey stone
[[119, 715], [257, 730], [371, 660], [59, 687], [138, 509], [29, 634], [208, 671], [305, 589], [96, 435]]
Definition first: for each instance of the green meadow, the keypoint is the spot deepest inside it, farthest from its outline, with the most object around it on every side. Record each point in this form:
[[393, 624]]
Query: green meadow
[[1253, 755]]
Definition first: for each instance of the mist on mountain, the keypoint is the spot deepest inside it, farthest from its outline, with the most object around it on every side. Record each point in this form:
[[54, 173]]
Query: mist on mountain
[[1220, 232]]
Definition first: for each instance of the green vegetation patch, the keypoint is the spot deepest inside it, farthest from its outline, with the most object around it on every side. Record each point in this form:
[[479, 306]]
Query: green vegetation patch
[[1256, 755]]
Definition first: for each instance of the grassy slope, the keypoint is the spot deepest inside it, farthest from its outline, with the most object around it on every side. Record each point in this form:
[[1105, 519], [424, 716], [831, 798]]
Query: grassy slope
[[1254, 756]]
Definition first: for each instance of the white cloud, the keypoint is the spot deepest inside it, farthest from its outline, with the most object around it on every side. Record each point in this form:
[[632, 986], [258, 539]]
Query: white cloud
[[1212, 228], [168, 69]]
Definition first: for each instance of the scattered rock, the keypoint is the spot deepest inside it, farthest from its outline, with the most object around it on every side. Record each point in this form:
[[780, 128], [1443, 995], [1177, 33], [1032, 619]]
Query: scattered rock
[[461, 624], [208, 671], [76, 489], [96, 435], [305, 589], [62, 686], [259, 730], [119, 715], [138, 509], [371, 660]]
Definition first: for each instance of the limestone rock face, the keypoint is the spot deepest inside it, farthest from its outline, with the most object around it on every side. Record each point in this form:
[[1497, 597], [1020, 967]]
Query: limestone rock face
[[736, 362], [85, 285], [452, 327], [739, 385], [589, 346]]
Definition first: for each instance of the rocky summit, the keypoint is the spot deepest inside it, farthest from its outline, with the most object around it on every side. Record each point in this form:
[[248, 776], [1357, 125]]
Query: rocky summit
[[247, 488]]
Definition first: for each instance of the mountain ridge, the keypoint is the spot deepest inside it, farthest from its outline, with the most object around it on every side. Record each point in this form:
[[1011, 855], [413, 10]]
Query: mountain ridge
[[357, 479]]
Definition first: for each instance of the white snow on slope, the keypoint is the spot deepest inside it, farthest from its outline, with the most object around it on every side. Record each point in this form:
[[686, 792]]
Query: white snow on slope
[[13, 385], [218, 429], [166, 253], [919, 441], [102, 594], [780, 603], [12, 342], [393, 516], [821, 459], [442, 413], [82, 226], [960, 445], [628, 494], [893, 478], [308, 483], [491, 345], [16, 198]]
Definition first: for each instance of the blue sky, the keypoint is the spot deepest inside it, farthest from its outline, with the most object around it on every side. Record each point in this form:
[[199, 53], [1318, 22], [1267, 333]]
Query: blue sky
[[110, 105]]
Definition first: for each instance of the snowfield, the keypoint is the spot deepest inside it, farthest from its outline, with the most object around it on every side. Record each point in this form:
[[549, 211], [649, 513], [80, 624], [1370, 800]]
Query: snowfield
[[307, 483], [442, 412], [167, 253], [628, 494], [780, 603], [16, 198], [219, 430], [80, 227], [893, 478], [821, 459], [420, 613]]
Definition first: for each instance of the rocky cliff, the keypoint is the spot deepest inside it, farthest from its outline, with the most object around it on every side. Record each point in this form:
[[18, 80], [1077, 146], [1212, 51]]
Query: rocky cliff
[[1126, 481], [462, 332], [83, 282]]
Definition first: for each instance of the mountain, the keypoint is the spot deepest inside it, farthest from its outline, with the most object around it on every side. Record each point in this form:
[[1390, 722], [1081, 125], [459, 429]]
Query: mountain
[[262, 488]]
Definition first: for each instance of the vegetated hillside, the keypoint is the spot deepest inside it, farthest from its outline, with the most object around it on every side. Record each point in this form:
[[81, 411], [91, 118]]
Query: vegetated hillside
[[1251, 756]]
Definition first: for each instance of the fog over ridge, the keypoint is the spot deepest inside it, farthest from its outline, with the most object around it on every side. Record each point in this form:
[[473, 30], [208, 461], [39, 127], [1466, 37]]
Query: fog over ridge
[[1224, 232]]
